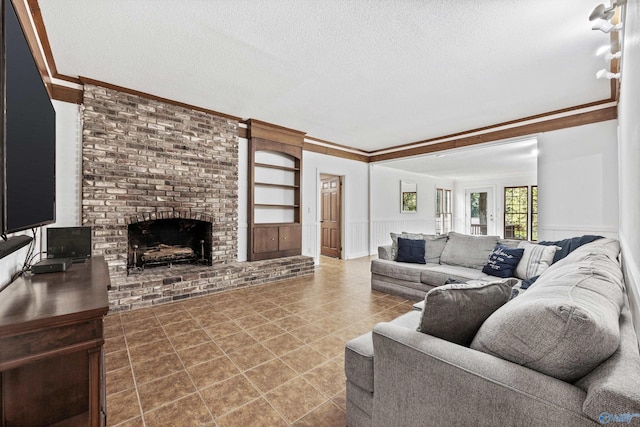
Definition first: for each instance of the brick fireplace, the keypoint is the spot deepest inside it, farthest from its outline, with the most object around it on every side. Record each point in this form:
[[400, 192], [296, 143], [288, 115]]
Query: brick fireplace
[[168, 241], [144, 160]]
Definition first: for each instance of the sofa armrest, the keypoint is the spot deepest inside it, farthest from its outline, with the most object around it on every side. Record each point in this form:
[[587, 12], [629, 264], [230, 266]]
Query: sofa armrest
[[423, 380], [384, 252]]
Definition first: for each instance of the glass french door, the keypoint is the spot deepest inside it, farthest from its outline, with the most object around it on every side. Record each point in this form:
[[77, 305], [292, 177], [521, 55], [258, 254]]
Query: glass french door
[[479, 211]]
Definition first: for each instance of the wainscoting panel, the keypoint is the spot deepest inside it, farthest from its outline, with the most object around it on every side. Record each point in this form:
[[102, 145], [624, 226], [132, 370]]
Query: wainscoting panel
[[355, 243], [310, 242], [356, 239]]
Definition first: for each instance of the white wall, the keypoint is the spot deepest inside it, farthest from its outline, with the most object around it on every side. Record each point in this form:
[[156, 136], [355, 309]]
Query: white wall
[[355, 197], [385, 204], [243, 191], [629, 156], [578, 181], [68, 164], [497, 184]]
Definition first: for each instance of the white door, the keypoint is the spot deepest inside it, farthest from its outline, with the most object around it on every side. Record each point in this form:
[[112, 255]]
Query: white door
[[479, 211]]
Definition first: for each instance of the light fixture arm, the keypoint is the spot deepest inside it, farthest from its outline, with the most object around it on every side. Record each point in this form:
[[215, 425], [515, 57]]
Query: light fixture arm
[[604, 74], [607, 27], [611, 56], [606, 13]]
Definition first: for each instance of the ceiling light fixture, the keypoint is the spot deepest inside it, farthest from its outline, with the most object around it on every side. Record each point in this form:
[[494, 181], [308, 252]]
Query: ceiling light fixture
[[603, 12], [607, 27], [604, 74]]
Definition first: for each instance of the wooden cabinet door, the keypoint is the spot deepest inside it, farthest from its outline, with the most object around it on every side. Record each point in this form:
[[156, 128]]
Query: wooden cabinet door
[[290, 237], [265, 239]]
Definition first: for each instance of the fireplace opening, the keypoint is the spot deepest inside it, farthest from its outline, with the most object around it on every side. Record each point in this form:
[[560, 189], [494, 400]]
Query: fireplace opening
[[164, 242]]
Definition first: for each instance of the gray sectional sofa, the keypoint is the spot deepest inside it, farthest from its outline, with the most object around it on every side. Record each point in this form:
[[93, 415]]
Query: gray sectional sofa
[[453, 256], [564, 352]]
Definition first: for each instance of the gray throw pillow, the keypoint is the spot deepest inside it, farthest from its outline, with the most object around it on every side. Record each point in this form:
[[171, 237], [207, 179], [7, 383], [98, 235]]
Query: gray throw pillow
[[455, 312], [535, 260], [565, 325], [468, 251]]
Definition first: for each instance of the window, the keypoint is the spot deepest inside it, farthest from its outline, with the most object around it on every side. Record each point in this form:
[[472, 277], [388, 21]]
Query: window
[[516, 212], [443, 211], [534, 212]]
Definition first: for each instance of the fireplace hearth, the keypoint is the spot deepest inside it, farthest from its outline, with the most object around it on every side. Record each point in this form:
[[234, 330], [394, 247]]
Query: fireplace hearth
[[164, 242]]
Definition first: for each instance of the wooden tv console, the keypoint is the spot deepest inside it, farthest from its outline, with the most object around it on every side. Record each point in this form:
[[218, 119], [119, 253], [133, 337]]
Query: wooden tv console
[[51, 348]]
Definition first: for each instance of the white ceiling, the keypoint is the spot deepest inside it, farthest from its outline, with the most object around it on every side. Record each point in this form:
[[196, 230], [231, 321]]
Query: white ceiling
[[513, 158], [365, 74]]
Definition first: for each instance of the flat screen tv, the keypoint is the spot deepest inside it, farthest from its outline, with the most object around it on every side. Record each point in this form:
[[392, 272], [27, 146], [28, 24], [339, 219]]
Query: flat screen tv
[[28, 134]]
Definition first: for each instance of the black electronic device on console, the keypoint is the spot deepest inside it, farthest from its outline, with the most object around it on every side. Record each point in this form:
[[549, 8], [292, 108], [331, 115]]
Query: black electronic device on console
[[51, 265], [69, 242]]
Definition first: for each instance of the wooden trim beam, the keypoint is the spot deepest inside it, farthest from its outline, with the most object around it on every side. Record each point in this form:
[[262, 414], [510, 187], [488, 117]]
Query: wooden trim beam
[[36, 15], [67, 94], [88, 81], [32, 39], [610, 113], [271, 132], [335, 152], [498, 125]]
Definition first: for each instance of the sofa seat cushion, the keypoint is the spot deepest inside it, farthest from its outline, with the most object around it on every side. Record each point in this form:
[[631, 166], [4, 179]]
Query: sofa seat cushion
[[437, 275], [358, 357], [567, 323], [468, 251], [362, 399], [399, 270]]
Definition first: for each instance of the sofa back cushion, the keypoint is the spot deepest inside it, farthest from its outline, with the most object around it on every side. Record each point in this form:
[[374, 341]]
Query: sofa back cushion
[[434, 245], [468, 251], [567, 323]]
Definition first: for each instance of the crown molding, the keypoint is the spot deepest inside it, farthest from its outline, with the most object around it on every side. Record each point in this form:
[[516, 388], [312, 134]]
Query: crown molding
[[30, 17], [609, 112]]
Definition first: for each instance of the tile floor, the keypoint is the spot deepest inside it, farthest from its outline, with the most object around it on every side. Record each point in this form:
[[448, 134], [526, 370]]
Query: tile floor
[[270, 355]]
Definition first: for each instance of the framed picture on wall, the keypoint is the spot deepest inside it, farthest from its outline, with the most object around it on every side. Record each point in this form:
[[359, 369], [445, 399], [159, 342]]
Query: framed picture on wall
[[408, 197]]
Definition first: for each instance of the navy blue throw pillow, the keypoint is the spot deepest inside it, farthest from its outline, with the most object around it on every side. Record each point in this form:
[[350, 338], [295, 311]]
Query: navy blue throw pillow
[[503, 261], [411, 251]]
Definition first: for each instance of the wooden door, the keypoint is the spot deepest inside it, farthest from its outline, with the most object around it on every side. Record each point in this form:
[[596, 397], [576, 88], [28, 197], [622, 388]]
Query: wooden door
[[330, 227]]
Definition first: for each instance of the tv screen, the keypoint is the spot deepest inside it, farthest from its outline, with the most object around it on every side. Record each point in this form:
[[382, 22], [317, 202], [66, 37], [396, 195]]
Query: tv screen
[[28, 135]]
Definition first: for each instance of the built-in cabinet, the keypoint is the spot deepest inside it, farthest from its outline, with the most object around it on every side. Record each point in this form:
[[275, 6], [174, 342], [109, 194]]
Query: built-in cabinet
[[274, 213], [51, 348]]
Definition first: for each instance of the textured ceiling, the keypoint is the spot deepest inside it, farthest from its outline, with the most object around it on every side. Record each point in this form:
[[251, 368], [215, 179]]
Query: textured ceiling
[[476, 162], [366, 74]]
